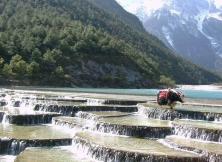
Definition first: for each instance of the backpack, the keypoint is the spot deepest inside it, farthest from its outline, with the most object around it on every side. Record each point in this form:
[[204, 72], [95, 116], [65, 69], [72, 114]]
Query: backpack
[[162, 97]]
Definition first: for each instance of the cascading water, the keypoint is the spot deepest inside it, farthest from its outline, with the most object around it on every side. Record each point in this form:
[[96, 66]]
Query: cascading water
[[95, 102], [7, 158], [124, 149], [16, 147], [86, 115], [31, 119], [198, 133], [67, 126], [11, 147], [138, 131], [195, 113], [65, 110], [178, 143], [17, 105], [20, 107], [5, 119], [1, 116], [158, 113]]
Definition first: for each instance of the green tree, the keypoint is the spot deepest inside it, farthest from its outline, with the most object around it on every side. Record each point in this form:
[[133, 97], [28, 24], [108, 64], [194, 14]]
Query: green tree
[[50, 57], [1, 62], [36, 55], [18, 66], [59, 72], [55, 57], [7, 71], [166, 81], [33, 69]]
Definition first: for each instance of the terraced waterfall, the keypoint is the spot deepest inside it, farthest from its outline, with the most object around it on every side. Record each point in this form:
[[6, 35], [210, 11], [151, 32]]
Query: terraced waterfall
[[45, 126]]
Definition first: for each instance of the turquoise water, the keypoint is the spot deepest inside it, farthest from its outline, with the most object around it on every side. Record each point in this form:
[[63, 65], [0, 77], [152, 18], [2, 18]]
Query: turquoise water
[[197, 94], [216, 94]]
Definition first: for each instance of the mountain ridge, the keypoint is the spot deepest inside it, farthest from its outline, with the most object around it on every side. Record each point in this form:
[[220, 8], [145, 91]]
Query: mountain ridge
[[191, 28], [114, 8]]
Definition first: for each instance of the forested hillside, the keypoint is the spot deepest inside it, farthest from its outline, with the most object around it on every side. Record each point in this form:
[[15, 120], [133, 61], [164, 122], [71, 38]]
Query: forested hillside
[[75, 43]]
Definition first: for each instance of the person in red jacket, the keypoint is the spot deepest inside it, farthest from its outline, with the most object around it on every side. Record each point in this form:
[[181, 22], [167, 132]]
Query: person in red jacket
[[169, 97]]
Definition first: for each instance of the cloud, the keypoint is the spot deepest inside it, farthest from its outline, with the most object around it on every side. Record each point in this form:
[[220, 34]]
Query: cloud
[[218, 3], [148, 5], [154, 4], [130, 5]]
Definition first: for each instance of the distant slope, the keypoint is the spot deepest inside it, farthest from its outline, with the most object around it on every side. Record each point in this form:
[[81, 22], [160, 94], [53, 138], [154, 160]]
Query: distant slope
[[76, 43], [193, 28], [149, 41], [115, 9]]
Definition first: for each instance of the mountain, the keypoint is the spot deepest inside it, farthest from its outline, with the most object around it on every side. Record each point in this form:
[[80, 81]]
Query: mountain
[[112, 7], [190, 27], [81, 43]]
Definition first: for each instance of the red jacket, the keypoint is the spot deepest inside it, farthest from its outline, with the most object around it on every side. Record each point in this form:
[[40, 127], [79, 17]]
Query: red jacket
[[168, 96]]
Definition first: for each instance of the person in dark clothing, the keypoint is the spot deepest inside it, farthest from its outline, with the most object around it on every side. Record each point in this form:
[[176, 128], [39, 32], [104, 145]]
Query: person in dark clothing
[[169, 97]]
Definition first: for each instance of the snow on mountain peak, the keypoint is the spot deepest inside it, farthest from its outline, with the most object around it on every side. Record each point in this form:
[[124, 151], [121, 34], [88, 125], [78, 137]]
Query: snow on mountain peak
[[218, 3], [134, 5], [143, 8], [190, 27]]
